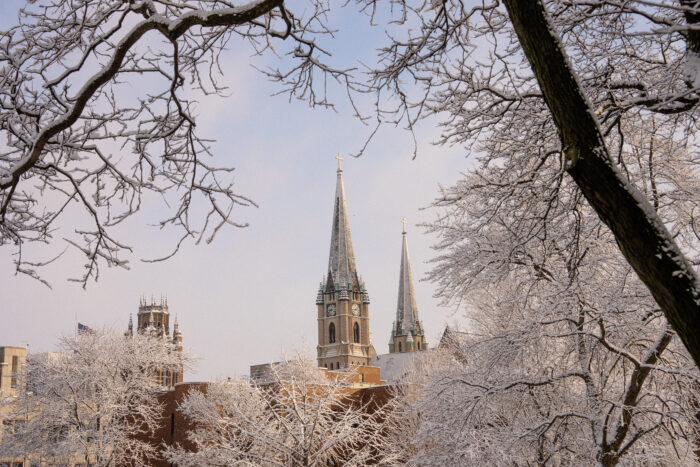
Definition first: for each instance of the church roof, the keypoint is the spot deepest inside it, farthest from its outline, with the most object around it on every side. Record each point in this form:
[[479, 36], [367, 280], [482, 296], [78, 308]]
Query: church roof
[[394, 367], [341, 261], [406, 309]]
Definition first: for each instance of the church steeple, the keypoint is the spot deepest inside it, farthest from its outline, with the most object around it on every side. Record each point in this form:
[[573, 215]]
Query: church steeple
[[341, 260], [342, 300], [407, 333]]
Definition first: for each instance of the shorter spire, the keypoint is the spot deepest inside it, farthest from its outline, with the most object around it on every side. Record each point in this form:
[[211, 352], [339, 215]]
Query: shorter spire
[[407, 334], [406, 308]]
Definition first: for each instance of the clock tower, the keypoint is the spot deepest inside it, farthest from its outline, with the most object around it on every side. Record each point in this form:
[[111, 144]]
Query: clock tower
[[342, 301]]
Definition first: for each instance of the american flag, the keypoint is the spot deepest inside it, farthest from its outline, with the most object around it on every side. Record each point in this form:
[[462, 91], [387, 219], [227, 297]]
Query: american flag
[[85, 330]]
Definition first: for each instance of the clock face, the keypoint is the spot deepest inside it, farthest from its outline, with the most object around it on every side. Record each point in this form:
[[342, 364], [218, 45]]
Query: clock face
[[356, 309], [330, 311]]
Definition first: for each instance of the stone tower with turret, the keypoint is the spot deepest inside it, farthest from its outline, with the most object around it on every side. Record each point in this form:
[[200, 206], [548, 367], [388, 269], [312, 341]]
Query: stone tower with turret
[[342, 300], [407, 332], [154, 318]]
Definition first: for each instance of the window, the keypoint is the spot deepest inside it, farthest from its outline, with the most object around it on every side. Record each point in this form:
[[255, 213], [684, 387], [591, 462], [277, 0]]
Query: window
[[356, 333], [15, 370], [18, 426], [331, 333], [399, 346], [418, 345]]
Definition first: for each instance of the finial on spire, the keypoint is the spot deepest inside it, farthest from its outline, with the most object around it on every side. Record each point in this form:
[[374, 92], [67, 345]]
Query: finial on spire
[[403, 221], [339, 159]]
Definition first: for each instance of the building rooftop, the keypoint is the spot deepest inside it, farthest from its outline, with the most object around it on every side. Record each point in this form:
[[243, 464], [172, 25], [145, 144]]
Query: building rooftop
[[394, 367]]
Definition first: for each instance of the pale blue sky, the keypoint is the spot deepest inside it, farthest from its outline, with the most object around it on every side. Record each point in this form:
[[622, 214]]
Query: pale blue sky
[[255, 288]]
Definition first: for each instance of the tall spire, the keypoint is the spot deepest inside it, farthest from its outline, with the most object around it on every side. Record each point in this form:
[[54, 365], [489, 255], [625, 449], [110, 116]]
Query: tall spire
[[341, 261], [406, 309]]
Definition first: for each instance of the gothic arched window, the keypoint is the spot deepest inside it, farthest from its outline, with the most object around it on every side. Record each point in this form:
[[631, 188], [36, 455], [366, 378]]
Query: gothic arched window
[[356, 333], [399, 346], [331, 333]]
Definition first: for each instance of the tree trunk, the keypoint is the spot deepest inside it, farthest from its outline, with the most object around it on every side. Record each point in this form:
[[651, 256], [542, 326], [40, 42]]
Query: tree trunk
[[692, 17], [640, 233]]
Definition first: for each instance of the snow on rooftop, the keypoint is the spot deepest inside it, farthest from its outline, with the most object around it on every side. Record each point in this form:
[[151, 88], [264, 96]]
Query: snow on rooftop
[[394, 367]]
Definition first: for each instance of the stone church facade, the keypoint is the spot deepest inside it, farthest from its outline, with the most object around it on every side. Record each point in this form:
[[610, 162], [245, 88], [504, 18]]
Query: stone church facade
[[343, 301]]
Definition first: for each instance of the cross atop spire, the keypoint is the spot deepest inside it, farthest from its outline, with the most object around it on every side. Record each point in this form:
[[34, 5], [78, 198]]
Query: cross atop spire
[[339, 159], [403, 221]]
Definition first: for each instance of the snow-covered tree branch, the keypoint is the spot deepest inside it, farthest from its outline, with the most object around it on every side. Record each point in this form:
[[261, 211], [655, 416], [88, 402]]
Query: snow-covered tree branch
[[94, 401], [569, 357], [74, 130], [536, 391], [299, 415], [569, 85]]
